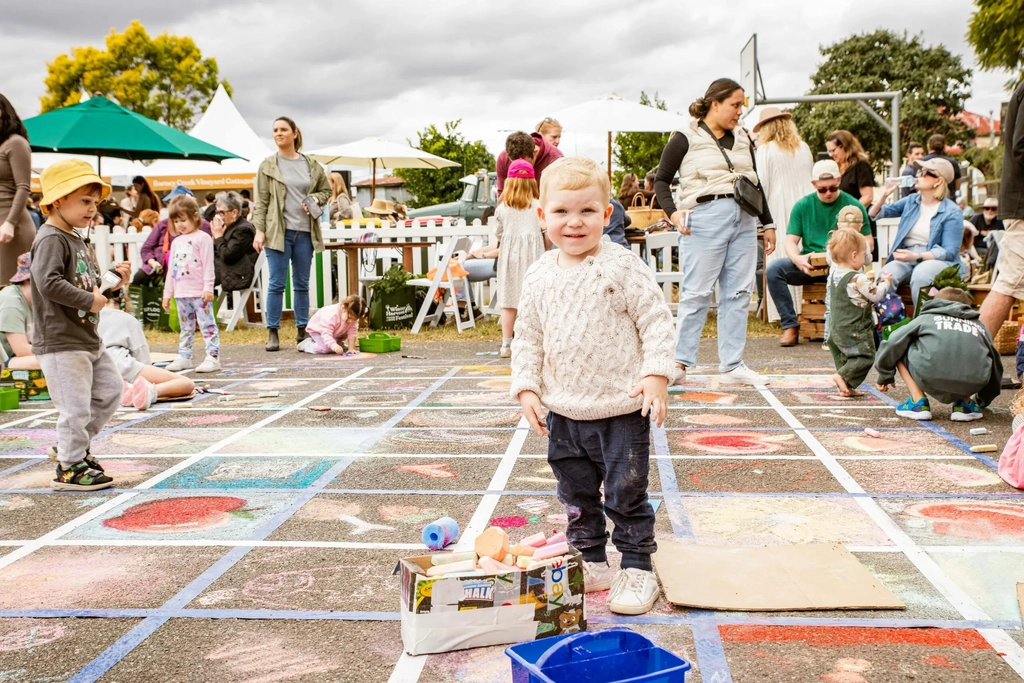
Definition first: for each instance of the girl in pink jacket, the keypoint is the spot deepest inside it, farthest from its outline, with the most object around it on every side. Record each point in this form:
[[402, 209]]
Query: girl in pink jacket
[[335, 328]]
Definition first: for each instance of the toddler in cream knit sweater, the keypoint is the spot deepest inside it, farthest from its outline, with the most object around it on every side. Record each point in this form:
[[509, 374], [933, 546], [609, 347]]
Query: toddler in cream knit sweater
[[594, 345]]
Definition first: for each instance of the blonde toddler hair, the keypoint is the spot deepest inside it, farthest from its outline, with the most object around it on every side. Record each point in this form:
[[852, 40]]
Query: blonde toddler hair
[[574, 173], [844, 242]]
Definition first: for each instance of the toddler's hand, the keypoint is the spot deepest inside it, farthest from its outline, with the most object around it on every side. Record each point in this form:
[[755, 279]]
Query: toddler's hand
[[654, 389], [167, 304], [338, 349], [884, 388], [207, 297], [98, 301], [533, 411]]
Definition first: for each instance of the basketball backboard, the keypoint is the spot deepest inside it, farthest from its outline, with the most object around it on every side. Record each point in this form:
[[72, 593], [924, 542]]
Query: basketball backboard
[[749, 78]]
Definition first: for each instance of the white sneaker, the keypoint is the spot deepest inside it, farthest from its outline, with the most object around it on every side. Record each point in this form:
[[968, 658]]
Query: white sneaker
[[741, 374], [180, 363], [209, 364], [634, 591], [680, 379], [505, 352], [597, 576]]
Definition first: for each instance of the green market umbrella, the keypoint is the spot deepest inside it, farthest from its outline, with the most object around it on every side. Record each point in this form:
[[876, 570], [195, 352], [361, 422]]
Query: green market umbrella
[[102, 128]]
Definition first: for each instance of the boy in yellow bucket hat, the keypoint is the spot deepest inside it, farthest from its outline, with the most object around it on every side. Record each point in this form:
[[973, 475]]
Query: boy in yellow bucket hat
[[84, 383]]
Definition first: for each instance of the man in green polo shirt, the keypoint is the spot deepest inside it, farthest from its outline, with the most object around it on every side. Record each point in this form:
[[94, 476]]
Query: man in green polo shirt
[[812, 219], [16, 318]]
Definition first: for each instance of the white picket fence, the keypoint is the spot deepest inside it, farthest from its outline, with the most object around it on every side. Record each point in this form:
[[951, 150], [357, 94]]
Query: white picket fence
[[329, 272]]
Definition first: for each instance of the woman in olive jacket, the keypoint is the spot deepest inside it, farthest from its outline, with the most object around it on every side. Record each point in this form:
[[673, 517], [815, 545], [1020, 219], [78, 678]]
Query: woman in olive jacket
[[287, 184]]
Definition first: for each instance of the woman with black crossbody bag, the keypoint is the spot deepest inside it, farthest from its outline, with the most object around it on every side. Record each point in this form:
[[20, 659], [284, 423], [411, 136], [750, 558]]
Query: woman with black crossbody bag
[[716, 211]]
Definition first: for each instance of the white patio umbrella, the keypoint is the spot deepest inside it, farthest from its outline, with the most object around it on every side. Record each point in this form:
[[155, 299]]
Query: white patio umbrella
[[611, 113], [377, 151]]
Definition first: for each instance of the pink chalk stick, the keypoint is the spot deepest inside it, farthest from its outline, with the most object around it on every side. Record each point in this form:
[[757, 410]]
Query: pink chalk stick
[[492, 566], [465, 566], [873, 433], [556, 538], [551, 551], [536, 541]]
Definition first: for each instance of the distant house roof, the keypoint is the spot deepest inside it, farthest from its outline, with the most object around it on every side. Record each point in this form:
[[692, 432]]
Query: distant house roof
[[979, 123], [390, 181]]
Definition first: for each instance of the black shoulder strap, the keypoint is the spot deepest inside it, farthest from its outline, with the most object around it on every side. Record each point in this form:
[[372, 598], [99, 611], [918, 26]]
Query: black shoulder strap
[[721, 149]]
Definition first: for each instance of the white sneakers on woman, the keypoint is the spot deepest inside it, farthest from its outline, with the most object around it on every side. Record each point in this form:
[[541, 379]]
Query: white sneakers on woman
[[741, 374]]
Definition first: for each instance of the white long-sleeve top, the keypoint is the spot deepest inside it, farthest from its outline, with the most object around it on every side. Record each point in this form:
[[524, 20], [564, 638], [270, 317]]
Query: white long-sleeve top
[[586, 335]]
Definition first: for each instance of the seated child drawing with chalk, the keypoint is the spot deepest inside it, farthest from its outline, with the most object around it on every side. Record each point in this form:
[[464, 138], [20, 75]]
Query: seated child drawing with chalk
[[125, 343], [945, 353], [851, 338], [594, 345], [335, 328]]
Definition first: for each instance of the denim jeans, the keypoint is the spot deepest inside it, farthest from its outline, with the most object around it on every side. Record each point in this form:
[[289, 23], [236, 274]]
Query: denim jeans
[[614, 451], [782, 273], [722, 248], [917, 274], [298, 251]]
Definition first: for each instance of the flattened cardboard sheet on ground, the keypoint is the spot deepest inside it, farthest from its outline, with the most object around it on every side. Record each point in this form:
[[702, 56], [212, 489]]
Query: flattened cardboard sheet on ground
[[818, 576]]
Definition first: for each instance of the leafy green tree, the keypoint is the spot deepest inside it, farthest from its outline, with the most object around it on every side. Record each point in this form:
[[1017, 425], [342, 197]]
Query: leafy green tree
[[638, 153], [934, 82], [165, 78], [430, 186], [996, 31]]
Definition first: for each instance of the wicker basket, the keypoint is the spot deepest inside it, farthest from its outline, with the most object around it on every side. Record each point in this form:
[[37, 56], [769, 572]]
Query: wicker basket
[[1005, 340], [643, 216]]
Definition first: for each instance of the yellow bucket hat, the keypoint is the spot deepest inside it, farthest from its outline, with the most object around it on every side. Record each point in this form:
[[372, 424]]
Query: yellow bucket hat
[[64, 177]]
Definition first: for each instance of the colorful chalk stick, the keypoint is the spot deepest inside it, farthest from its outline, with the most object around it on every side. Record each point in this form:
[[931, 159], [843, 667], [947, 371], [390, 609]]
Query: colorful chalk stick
[[492, 543], [551, 551], [535, 541], [449, 558], [438, 570]]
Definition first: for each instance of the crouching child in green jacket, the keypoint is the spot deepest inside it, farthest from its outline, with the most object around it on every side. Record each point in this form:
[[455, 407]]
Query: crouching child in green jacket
[[944, 353]]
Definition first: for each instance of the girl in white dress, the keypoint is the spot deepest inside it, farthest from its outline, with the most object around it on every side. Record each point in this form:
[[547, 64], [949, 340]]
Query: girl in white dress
[[520, 240]]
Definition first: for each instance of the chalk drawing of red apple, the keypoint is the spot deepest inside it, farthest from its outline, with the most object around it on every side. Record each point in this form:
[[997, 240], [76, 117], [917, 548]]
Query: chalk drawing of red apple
[[179, 515], [974, 521], [736, 442]]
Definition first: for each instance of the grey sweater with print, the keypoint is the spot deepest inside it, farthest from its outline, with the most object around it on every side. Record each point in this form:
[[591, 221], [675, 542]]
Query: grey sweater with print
[[64, 273]]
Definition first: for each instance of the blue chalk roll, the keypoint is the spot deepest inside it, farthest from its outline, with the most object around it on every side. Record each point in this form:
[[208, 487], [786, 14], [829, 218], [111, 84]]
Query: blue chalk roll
[[440, 533]]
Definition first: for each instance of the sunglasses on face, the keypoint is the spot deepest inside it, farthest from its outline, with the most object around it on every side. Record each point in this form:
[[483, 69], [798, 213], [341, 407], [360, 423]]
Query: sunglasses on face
[[828, 189], [930, 174], [989, 210]]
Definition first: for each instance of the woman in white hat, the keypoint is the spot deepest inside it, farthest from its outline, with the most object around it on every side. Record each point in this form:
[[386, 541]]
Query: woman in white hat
[[784, 164], [383, 209], [931, 226]]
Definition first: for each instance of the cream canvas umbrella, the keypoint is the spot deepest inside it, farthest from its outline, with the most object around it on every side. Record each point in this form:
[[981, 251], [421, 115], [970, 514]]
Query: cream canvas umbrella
[[611, 113], [375, 152]]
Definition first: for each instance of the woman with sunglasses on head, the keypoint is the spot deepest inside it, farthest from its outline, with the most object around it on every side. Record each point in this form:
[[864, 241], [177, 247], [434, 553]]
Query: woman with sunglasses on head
[[931, 226]]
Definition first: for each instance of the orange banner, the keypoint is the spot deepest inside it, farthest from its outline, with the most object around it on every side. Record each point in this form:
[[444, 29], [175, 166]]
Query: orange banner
[[195, 183]]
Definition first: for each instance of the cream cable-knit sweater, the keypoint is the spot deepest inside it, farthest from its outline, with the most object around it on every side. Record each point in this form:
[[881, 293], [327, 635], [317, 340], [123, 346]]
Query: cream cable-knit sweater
[[586, 335]]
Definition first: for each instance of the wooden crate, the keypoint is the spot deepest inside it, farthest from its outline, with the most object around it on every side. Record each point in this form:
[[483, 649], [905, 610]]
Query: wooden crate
[[812, 312]]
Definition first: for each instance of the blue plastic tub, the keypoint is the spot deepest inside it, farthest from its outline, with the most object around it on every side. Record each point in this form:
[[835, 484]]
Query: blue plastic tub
[[613, 655]]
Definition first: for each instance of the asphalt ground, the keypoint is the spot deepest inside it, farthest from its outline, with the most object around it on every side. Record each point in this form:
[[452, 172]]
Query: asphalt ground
[[255, 539]]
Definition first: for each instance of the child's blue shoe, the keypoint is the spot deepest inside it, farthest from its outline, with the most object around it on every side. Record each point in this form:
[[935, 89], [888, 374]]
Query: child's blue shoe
[[915, 410], [965, 411]]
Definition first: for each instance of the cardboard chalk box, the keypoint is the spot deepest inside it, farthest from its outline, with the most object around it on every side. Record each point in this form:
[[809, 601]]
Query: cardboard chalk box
[[30, 383], [442, 614]]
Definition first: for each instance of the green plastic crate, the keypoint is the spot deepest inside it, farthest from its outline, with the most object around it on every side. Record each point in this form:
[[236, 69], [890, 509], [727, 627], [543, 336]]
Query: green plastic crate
[[9, 398], [380, 342]]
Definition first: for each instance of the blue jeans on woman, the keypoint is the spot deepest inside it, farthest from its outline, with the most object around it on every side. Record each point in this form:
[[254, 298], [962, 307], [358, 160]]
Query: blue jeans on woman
[[917, 274], [298, 251], [721, 248]]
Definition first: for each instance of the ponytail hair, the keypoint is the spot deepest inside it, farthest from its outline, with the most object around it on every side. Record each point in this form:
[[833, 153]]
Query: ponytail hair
[[355, 306], [719, 91]]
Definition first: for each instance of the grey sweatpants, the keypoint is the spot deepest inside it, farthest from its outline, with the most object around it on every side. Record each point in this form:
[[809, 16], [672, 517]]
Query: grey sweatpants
[[85, 386]]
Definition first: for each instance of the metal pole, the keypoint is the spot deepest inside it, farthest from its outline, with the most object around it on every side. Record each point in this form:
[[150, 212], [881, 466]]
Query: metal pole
[[991, 128], [874, 114], [896, 132], [609, 155], [841, 97]]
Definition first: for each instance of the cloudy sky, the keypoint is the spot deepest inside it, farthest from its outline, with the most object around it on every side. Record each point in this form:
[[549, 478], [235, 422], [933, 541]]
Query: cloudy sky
[[348, 70]]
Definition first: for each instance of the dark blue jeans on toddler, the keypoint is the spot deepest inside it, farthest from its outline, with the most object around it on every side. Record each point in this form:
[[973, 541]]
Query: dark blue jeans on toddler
[[1020, 360], [615, 451]]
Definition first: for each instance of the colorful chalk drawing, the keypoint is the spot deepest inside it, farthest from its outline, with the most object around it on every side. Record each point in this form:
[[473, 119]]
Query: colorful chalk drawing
[[975, 520], [371, 384], [265, 659], [751, 477], [32, 637], [10, 503], [822, 397], [412, 441], [253, 473], [709, 397], [988, 578], [468, 398], [498, 384], [715, 420], [172, 517], [125, 471], [435, 470], [801, 381], [923, 476], [735, 442], [899, 443], [780, 520], [205, 420], [462, 418], [305, 588], [277, 385], [475, 370], [26, 441], [369, 400], [172, 441], [327, 441], [543, 475]]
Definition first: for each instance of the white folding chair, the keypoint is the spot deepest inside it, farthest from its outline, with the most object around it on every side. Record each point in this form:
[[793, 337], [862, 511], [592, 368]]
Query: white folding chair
[[447, 285], [241, 298], [659, 258]]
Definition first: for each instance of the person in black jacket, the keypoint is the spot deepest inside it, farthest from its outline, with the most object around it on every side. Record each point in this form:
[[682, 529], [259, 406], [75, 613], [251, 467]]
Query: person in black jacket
[[234, 255]]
